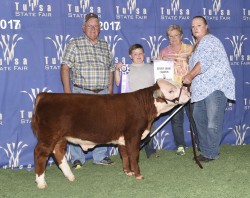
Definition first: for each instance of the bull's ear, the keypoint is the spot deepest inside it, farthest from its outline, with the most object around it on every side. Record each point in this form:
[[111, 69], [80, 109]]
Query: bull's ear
[[157, 94]]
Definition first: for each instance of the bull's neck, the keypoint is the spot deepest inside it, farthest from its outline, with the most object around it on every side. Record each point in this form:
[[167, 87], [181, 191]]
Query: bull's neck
[[146, 99]]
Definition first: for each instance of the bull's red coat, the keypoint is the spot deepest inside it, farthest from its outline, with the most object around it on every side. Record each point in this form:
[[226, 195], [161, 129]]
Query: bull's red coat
[[88, 120]]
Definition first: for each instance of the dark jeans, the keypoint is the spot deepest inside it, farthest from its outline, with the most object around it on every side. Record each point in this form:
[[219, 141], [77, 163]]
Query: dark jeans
[[149, 143], [209, 117], [177, 122], [149, 146]]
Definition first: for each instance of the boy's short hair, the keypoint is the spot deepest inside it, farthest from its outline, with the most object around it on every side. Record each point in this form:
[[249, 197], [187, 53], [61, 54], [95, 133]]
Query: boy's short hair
[[134, 47]]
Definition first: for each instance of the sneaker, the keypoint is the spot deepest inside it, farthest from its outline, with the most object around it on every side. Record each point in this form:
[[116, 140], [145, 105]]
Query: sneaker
[[77, 164], [104, 161], [180, 151]]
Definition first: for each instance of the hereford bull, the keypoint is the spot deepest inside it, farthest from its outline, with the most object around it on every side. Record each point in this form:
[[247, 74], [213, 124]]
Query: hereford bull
[[89, 120]]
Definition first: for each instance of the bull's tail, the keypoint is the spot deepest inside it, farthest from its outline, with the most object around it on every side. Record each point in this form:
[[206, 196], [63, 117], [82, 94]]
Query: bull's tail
[[34, 117]]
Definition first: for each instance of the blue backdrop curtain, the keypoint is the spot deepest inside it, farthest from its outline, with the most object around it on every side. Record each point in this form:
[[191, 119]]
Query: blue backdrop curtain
[[33, 35]]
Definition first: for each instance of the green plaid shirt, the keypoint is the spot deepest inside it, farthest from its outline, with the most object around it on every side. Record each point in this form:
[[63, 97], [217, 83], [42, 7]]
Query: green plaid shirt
[[90, 64]]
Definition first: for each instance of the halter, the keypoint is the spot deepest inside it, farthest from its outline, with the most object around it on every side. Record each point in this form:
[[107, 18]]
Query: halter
[[176, 100]]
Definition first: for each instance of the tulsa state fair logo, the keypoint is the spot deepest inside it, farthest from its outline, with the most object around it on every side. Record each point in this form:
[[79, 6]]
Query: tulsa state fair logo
[[174, 11], [52, 62], [112, 41], [78, 10], [34, 92], [26, 115], [154, 44], [32, 8], [216, 12], [130, 11], [237, 57], [191, 41], [246, 99], [8, 44], [240, 133], [246, 14], [160, 139], [12, 152]]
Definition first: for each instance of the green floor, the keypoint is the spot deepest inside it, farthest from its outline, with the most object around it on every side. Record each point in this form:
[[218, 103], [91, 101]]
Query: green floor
[[167, 176]]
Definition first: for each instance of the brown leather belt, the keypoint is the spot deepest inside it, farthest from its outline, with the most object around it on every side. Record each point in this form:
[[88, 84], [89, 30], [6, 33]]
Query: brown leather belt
[[93, 90]]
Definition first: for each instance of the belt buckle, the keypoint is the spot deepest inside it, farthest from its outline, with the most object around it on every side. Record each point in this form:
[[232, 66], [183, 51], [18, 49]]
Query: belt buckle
[[97, 90]]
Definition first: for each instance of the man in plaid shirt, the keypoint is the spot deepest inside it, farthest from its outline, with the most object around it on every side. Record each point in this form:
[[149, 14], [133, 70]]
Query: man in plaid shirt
[[88, 64]]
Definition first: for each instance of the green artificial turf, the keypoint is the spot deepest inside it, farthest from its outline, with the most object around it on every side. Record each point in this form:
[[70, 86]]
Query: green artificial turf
[[167, 176]]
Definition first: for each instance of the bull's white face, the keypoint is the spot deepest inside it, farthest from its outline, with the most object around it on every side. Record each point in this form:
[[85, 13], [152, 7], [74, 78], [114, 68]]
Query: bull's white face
[[169, 91]]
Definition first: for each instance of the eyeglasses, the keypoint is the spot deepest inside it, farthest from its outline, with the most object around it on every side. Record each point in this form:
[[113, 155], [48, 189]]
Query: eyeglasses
[[93, 26], [174, 36]]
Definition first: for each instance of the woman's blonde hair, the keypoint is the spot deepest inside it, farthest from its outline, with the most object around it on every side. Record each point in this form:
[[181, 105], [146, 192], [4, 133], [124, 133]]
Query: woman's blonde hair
[[174, 27]]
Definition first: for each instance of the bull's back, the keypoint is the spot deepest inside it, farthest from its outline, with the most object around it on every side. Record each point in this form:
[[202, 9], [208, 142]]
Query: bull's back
[[85, 114]]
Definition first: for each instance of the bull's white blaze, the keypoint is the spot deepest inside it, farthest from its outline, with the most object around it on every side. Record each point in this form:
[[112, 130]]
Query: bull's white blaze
[[162, 107], [64, 166], [40, 180], [169, 89]]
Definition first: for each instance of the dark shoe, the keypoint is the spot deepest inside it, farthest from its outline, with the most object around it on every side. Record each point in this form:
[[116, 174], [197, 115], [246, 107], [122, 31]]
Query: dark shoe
[[104, 161], [154, 155], [201, 158], [77, 164]]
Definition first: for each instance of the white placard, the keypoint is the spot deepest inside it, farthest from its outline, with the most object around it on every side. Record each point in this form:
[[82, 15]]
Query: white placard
[[164, 69]]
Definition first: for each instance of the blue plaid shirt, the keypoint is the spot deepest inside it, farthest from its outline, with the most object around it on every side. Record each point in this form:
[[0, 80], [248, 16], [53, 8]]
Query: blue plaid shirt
[[90, 64]]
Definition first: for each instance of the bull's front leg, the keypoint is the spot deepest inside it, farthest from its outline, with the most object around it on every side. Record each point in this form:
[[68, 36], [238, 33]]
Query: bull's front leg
[[133, 150], [125, 160]]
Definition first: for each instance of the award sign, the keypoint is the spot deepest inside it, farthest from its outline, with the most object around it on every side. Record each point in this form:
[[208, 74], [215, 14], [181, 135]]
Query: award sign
[[164, 69]]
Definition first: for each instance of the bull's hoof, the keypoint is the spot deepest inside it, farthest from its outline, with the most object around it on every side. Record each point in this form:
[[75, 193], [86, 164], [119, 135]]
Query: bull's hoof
[[139, 177], [42, 185], [71, 178], [129, 173]]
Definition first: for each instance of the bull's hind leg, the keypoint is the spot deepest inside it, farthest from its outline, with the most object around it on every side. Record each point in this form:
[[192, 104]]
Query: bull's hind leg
[[59, 154], [125, 160], [41, 154]]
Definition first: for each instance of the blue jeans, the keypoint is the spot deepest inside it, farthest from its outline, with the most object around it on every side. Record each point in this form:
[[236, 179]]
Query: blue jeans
[[209, 117], [177, 122], [177, 126], [75, 150], [149, 143]]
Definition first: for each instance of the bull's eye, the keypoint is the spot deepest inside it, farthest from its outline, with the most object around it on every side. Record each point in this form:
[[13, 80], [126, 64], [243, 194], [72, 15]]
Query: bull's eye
[[171, 91]]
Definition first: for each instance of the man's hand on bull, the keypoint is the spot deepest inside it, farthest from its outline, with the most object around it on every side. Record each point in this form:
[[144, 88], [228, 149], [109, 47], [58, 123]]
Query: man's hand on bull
[[187, 79]]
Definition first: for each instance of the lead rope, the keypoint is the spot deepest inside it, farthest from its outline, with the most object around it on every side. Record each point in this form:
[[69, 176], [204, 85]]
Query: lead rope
[[191, 127], [192, 134]]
